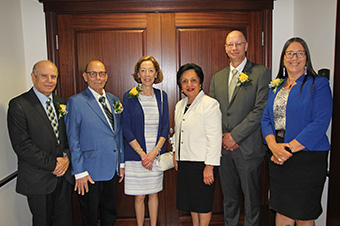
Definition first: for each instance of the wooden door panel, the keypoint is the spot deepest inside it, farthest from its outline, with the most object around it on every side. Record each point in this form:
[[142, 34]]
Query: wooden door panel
[[119, 50], [116, 39], [204, 47]]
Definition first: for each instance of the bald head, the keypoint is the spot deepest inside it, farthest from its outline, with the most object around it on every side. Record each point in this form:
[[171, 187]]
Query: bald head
[[236, 34], [236, 47], [43, 64], [93, 63]]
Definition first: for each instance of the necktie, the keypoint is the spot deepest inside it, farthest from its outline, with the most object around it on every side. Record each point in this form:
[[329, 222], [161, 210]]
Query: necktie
[[107, 111], [52, 118], [232, 84]]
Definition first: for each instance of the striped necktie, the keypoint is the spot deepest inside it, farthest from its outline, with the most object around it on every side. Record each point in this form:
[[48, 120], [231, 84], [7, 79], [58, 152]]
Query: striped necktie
[[52, 118], [107, 111]]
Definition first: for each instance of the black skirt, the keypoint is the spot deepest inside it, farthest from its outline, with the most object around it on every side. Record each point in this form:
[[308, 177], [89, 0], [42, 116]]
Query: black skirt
[[296, 186], [192, 193]]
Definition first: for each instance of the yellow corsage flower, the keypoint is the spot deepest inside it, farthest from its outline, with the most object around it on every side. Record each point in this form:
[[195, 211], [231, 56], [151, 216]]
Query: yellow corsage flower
[[117, 107], [134, 92], [61, 109], [242, 79], [275, 83]]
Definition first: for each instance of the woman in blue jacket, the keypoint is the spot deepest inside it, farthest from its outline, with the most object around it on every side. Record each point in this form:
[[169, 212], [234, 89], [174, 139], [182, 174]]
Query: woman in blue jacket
[[294, 125], [145, 127]]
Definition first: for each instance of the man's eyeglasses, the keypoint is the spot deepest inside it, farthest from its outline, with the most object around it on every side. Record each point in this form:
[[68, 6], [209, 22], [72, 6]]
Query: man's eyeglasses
[[298, 54], [237, 44], [93, 74]]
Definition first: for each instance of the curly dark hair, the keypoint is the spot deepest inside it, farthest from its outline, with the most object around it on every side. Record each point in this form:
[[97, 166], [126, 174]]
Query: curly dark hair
[[186, 67]]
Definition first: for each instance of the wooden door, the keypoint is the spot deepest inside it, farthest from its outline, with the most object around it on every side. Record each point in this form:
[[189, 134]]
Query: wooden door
[[120, 39]]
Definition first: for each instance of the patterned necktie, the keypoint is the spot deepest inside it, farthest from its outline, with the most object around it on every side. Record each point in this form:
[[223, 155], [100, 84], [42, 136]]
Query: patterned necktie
[[232, 84], [52, 118], [107, 111]]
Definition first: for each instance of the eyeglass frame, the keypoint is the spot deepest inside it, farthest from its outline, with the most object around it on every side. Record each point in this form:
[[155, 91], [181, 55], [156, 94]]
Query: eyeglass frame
[[93, 74], [298, 54], [237, 44]]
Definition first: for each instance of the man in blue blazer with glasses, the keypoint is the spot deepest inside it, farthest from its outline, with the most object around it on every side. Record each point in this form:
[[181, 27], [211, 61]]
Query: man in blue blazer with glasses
[[95, 136]]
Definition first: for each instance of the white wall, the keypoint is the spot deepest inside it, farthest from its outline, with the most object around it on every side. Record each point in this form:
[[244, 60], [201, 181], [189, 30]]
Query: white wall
[[22, 42], [314, 21], [283, 29]]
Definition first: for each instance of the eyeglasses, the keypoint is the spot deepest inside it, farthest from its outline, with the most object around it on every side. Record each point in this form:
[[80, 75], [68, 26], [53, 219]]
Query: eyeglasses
[[298, 54], [237, 44], [93, 74]]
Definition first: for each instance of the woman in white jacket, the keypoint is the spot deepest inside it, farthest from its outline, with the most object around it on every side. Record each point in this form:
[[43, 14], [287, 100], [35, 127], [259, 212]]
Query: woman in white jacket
[[198, 138]]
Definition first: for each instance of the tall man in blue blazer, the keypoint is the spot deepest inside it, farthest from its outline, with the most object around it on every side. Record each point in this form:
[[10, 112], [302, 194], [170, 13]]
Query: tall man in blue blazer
[[242, 90], [38, 135], [96, 144]]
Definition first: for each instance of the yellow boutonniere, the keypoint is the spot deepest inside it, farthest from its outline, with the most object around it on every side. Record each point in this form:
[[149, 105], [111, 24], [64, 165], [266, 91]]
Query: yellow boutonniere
[[117, 107], [61, 109], [275, 83], [242, 79], [134, 92]]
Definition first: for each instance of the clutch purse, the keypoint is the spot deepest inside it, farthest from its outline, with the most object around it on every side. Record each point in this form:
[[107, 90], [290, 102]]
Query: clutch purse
[[165, 161]]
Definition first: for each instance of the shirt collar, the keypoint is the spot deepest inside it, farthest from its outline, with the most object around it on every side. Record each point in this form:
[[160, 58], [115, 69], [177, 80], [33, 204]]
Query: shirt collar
[[239, 67], [42, 98], [95, 94]]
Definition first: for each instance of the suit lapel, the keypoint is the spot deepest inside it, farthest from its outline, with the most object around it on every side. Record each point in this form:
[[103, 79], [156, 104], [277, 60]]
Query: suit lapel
[[115, 120], [93, 104], [41, 112], [226, 85]]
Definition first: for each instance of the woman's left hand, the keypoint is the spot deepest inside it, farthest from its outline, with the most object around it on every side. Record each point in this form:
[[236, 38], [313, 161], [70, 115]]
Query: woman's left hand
[[208, 175], [149, 159]]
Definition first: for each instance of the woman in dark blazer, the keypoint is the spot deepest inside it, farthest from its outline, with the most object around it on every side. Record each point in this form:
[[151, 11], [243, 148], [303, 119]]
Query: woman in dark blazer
[[145, 127], [294, 125]]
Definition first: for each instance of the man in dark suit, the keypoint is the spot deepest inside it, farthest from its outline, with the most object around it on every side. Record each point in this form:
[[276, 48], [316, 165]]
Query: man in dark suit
[[96, 143], [242, 90], [38, 135]]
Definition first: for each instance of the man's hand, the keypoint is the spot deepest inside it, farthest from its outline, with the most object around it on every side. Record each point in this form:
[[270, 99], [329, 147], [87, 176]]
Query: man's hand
[[82, 185], [61, 166], [122, 174], [228, 142]]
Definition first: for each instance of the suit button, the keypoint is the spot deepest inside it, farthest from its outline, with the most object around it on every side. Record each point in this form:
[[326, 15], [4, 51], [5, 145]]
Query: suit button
[[228, 114], [182, 131], [114, 150], [182, 142], [183, 119]]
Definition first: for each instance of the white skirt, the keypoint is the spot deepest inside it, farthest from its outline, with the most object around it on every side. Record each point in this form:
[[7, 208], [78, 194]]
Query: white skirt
[[140, 181]]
